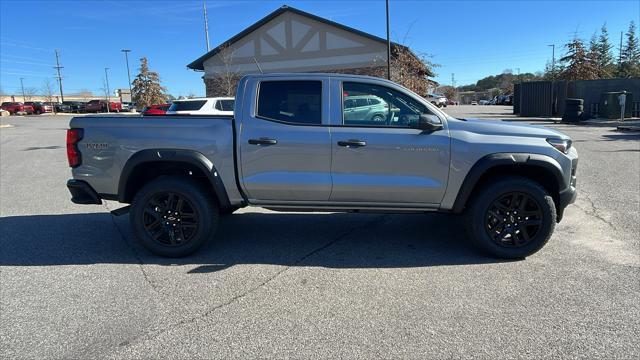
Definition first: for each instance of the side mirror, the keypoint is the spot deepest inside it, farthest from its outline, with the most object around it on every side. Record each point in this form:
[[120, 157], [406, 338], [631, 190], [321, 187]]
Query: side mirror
[[429, 123]]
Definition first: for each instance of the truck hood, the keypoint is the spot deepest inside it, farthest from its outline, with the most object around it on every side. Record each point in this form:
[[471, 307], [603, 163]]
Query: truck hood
[[503, 128]]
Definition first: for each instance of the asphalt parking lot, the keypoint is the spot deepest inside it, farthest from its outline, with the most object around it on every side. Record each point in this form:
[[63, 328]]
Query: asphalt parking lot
[[74, 284]]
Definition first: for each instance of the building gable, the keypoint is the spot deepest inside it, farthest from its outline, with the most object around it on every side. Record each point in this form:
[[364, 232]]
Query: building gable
[[292, 40]]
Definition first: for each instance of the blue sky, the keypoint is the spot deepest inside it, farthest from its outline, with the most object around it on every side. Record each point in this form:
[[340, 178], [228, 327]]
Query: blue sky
[[472, 39]]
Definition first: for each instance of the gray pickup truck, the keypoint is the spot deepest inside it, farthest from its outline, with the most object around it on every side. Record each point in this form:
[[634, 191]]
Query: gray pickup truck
[[289, 146]]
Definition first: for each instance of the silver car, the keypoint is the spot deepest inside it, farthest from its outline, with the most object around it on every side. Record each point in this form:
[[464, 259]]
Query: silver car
[[365, 107]]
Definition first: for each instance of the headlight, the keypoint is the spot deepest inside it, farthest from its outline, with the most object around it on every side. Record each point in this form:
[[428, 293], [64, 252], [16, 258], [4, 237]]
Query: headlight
[[562, 145]]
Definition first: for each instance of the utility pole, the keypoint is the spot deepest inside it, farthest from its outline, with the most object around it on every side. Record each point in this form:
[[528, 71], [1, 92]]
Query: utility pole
[[518, 74], [126, 57], [620, 52], [553, 61], [453, 85], [24, 98], [388, 46], [106, 76], [58, 67], [206, 24]]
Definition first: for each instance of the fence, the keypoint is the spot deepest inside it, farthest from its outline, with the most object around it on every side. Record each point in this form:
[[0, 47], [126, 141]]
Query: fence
[[547, 98]]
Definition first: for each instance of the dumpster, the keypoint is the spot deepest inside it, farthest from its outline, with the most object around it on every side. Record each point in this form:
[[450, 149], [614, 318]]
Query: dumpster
[[610, 107]]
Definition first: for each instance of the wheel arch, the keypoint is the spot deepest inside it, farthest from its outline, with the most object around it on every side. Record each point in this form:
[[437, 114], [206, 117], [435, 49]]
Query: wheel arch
[[147, 165], [537, 167]]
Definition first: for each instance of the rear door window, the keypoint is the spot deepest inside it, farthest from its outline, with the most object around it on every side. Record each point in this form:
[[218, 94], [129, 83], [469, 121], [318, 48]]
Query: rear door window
[[187, 105], [296, 102], [225, 105]]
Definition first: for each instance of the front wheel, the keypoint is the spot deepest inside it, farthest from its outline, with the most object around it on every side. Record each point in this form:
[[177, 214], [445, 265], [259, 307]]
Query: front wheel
[[173, 216], [511, 218]]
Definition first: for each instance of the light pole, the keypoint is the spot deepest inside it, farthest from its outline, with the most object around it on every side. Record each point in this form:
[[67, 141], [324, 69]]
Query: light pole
[[126, 57], [553, 61], [24, 98], [388, 46], [106, 76]]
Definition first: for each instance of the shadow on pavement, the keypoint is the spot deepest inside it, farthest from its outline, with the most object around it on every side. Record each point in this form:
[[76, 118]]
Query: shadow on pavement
[[323, 240]]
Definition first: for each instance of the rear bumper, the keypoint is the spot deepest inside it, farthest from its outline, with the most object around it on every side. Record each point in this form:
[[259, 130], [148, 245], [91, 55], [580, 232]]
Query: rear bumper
[[82, 192]]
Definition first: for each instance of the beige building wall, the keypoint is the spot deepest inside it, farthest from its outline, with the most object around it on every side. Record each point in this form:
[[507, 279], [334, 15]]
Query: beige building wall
[[294, 43]]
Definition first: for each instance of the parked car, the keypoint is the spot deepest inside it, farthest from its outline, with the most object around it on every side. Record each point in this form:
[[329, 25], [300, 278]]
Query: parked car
[[202, 106], [437, 100], [155, 110], [96, 106], [74, 106], [365, 108], [283, 150], [128, 107], [17, 107], [64, 107], [40, 107], [474, 102], [508, 100]]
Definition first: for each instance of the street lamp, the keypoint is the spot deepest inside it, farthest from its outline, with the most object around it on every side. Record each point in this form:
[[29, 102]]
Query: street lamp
[[106, 76], [126, 57]]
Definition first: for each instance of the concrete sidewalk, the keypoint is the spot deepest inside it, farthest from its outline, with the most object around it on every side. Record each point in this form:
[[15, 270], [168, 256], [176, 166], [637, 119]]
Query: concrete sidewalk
[[631, 124]]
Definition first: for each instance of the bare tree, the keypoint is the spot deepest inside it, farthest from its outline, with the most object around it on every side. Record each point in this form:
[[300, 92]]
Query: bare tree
[[449, 92], [227, 79], [408, 69], [105, 89], [48, 92], [29, 93]]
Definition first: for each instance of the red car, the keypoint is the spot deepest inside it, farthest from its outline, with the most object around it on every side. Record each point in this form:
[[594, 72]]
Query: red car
[[15, 107], [97, 106], [40, 107], [158, 109]]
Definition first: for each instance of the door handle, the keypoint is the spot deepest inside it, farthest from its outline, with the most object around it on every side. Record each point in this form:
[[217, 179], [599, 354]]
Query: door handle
[[263, 141], [352, 143]]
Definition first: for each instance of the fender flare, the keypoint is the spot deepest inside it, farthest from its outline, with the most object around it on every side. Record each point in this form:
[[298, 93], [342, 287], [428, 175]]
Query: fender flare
[[501, 159], [190, 157]]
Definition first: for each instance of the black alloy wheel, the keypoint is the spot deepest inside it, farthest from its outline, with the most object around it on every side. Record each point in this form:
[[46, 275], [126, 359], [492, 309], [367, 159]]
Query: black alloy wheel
[[170, 219], [513, 219]]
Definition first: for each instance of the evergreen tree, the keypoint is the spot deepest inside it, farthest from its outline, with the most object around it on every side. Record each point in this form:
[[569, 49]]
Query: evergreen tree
[[593, 56], [146, 86], [576, 63], [605, 57], [629, 65]]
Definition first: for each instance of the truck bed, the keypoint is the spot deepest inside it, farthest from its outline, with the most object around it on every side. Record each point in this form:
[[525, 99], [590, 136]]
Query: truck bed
[[109, 142]]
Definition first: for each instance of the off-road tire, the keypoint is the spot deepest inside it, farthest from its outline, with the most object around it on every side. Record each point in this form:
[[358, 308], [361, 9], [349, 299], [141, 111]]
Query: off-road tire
[[477, 215], [199, 202]]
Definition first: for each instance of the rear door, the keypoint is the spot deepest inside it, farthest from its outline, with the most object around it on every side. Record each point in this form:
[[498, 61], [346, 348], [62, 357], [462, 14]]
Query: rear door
[[387, 161], [284, 141]]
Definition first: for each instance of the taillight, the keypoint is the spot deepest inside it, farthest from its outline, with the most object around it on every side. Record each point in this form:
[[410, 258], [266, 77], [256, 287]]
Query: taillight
[[73, 154]]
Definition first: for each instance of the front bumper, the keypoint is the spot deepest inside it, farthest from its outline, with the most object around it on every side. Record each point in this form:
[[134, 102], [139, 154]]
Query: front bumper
[[568, 195], [82, 193]]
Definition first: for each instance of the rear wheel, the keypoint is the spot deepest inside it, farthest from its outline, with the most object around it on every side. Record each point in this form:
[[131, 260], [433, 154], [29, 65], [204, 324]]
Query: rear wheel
[[511, 218], [173, 216]]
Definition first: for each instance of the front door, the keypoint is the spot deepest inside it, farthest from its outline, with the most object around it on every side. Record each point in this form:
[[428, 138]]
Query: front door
[[285, 151], [380, 158]]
